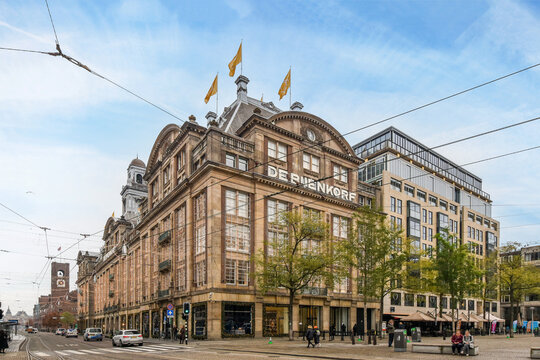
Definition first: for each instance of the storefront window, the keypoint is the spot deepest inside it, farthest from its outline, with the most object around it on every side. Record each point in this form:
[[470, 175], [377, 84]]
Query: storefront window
[[146, 324], [276, 320], [237, 319], [199, 321], [338, 316], [155, 324], [310, 315]]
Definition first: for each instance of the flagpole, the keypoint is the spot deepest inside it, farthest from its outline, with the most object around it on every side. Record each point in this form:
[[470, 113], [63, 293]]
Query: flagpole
[[217, 92], [242, 62], [290, 87]]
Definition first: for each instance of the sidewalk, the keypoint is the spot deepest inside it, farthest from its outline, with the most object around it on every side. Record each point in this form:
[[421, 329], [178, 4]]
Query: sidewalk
[[15, 343]]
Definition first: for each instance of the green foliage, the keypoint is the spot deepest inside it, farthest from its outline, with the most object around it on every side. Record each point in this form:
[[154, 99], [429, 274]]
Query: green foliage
[[67, 319]]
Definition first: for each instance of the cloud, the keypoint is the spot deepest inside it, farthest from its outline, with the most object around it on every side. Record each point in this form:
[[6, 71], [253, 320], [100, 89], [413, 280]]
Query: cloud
[[242, 8]]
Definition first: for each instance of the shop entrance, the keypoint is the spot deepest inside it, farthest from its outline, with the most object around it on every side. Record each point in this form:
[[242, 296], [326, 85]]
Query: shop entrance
[[309, 315]]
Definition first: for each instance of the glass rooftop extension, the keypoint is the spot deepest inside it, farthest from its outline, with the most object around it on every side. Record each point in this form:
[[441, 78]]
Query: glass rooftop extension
[[392, 138]]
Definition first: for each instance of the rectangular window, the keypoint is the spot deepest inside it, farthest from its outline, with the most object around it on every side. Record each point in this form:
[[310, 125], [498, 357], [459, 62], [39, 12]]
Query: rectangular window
[[421, 300], [453, 208], [242, 163], [230, 272], [181, 159], [424, 233], [470, 216], [409, 190], [395, 298], [237, 221], [230, 160], [398, 210], [444, 303], [277, 150], [430, 234], [392, 204], [414, 228], [236, 272], [421, 195], [341, 173], [311, 162], [199, 276], [166, 175], [395, 184], [398, 224], [432, 301], [443, 205], [277, 232], [340, 226], [424, 216], [430, 218], [432, 200], [442, 221], [409, 299], [414, 210]]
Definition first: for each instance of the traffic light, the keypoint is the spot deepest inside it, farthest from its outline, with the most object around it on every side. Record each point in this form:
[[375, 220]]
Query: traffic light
[[186, 308]]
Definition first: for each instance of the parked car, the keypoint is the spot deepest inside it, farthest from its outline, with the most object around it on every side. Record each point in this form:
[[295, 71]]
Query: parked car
[[127, 337], [60, 331], [71, 333], [93, 334]]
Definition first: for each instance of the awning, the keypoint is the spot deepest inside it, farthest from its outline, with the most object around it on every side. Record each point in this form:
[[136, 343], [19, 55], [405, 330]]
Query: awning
[[490, 317], [418, 316]]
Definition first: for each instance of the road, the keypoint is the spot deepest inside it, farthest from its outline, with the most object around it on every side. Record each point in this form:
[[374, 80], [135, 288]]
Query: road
[[45, 346]]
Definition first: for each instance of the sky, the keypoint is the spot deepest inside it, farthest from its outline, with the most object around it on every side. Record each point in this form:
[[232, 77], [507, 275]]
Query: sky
[[67, 137]]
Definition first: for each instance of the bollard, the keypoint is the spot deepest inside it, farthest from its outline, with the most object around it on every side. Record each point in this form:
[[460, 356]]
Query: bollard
[[270, 342], [352, 338], [375, 338], [369, 337]]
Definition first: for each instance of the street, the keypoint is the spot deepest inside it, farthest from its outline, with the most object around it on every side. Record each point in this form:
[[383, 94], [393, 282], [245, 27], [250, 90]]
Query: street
[[50, 346]]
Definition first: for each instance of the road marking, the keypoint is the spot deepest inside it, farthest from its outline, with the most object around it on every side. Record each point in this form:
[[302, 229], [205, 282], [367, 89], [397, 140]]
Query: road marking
[[132, 350], [147, 349], [61, 353], [74, 352], [168, 347], [91, 351], [39, 353], [112, 350]]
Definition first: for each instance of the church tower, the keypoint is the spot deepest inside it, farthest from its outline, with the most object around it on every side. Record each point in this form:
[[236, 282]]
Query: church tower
[[59, 280], [134, 191]]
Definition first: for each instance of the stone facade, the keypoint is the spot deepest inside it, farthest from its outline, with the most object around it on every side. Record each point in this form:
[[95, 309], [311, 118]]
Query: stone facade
[[211, 191]]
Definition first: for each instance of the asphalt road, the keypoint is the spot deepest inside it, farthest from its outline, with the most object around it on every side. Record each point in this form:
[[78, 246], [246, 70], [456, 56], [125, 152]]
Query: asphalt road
[[45, 346]]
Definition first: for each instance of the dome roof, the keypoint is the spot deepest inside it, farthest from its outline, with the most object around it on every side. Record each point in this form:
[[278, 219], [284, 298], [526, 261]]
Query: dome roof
[[137, 162]]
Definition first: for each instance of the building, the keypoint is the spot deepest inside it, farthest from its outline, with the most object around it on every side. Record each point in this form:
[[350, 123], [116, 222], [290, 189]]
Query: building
[[60, 299], [423, 192], [529, 307], [212, 192]]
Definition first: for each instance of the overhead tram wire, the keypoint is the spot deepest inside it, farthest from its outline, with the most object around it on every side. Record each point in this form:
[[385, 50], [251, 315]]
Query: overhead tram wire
[[354, 170], [321, 196]]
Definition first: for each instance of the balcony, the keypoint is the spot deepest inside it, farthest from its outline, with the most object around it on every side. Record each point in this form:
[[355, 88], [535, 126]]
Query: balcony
[[111, 293], [163, 293], [164, 237], [315, 291], [164, 266]]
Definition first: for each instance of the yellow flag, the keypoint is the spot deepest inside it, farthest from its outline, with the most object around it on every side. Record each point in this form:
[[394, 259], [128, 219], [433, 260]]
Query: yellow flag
[[113, 214], [285, 86], [211, 91], [237, 59]]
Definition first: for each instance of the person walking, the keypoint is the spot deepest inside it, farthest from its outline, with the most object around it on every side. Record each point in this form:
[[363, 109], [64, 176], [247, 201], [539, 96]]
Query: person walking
[[457, 342], [468, 343], [390, 329], [332, 332], [182, 334], [343, 330], [309, 336], [175, 332], [3, 341], [355, 329], [317, 336]]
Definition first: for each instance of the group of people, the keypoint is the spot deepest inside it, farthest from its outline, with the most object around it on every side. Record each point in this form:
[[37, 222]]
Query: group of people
[[313, 334], [3, 341], [462, 345], [179, 335]]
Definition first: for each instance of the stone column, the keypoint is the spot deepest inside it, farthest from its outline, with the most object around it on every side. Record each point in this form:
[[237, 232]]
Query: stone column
[[259, 320], [213, 320]]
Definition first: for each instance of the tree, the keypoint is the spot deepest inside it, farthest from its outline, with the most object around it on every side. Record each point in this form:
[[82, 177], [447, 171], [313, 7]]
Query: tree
[[489, 291], [375, 248], [516, 279], [452, 271], [51, 319], [67, 319], [298, 255]]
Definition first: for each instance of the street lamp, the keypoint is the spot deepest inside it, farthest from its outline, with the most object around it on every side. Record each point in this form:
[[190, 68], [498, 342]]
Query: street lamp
[[532, 321]]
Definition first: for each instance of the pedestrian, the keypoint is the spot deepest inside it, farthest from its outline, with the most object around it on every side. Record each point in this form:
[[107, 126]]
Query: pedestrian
[[310, 336], [457, 342], [355, 329], [390, 329], [3, 341], [343, 330], [332, 332], [317, 336], [182, 334], [175, 332], [468, 343]]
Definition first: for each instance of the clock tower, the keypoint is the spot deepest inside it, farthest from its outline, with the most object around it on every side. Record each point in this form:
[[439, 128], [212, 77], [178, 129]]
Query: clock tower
[[59, 279]]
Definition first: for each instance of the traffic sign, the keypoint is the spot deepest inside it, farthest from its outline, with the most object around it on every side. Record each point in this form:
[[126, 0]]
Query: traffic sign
[[170, 313], [170, 307]]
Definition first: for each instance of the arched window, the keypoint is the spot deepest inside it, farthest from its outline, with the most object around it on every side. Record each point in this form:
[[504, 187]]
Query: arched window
[[139, 179]]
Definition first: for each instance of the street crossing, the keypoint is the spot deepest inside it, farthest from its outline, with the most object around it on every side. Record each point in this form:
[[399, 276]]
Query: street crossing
[[151, 348]]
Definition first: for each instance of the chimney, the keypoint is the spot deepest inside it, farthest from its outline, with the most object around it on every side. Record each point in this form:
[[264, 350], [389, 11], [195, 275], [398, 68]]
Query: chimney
[[192, 119], [296, 106], [241, 88], [211, 118]]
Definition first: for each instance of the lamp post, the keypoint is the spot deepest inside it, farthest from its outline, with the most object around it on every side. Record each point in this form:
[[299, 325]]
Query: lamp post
[[532, 321]]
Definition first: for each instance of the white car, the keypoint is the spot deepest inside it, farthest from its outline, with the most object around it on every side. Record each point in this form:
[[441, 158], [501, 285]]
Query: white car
[[71, 333], [127, 337], [60, 331]]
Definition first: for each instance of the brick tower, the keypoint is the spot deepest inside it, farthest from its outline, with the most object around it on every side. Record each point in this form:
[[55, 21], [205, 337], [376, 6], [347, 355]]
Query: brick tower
[[59, 279]]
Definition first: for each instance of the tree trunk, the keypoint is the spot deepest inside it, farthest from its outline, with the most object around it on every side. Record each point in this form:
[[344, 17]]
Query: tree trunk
[[291, 322], [453, 314], [381, 313], [511, 325], [365, 320]]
